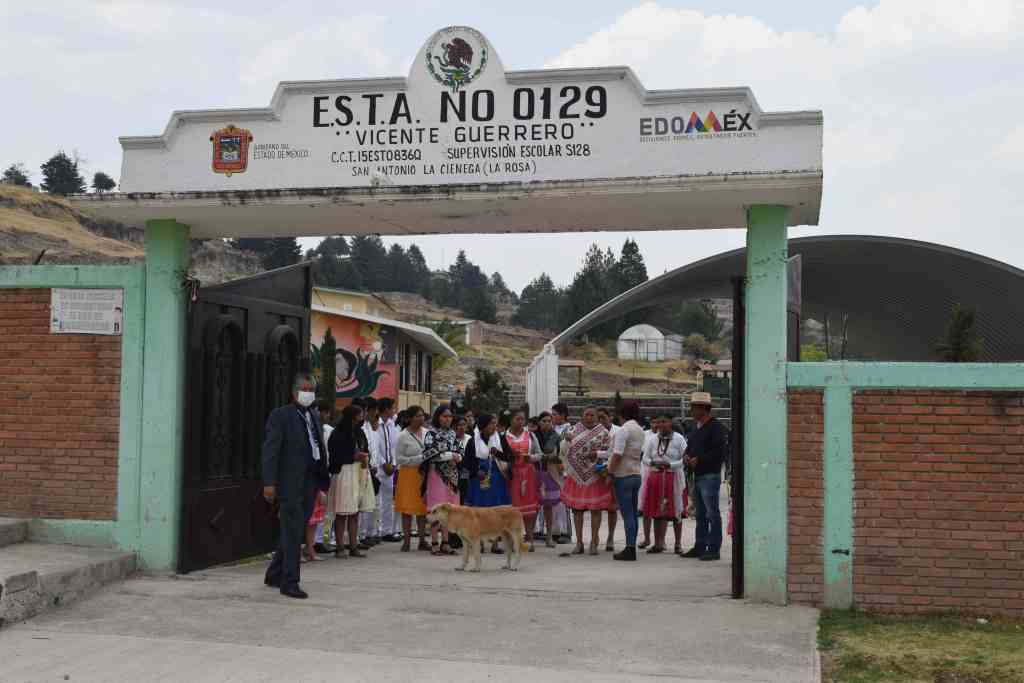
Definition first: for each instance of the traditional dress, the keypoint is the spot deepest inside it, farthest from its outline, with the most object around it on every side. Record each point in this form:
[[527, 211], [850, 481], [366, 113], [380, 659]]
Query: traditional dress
[[662, 495], [442, 472], [547, 470], [584, 488], [409, 456], [351, 488], [524, 488], [490, 489]]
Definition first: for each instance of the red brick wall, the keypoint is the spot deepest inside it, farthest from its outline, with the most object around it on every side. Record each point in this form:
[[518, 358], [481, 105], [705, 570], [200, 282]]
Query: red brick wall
[[806, 438], [59, 401], [939, 501]]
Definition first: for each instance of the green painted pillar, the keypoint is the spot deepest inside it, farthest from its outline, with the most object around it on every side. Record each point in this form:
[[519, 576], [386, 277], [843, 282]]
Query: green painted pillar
[[837, 542], [163, 394], [764, 476]]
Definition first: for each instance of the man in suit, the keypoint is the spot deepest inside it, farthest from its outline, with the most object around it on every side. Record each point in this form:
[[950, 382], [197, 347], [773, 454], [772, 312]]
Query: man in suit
[[294, 470]]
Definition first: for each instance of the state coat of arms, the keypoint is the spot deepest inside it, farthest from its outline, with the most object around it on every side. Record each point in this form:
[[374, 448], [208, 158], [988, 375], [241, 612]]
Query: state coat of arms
[[230, 150], [455, 56]]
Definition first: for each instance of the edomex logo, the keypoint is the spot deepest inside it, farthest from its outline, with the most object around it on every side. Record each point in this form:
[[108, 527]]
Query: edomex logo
[[456, 56]]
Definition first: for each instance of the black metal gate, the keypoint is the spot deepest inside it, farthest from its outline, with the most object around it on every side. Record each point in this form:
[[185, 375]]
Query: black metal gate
[[739, 332], [247, 339]]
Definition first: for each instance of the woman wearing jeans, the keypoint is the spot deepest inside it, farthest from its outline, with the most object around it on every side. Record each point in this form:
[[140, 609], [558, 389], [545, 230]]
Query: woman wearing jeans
[[624, 466]]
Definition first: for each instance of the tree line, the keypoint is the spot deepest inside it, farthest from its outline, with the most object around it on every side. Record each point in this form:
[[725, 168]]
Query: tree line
[[61, 176]]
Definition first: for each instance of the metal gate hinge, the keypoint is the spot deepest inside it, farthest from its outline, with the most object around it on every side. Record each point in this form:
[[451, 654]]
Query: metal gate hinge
[[840, 551]]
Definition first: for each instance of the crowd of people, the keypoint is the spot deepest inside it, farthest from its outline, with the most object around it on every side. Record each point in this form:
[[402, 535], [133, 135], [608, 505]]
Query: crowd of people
[[347, 485]]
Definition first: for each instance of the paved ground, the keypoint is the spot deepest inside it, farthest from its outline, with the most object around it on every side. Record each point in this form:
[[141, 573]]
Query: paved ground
[[401, 617]]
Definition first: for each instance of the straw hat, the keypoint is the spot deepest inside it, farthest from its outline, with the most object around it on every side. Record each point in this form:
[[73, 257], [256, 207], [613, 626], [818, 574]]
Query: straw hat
[[700, 398]]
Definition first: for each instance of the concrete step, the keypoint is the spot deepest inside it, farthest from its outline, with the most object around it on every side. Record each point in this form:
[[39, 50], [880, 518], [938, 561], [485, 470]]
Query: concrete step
[[13, 530], [35, 577]]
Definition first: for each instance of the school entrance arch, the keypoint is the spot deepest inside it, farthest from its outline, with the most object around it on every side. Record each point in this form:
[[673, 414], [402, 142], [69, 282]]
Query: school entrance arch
[[463, 146]]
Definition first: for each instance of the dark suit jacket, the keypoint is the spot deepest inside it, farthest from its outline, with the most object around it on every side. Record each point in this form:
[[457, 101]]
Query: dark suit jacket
[[288, 455]]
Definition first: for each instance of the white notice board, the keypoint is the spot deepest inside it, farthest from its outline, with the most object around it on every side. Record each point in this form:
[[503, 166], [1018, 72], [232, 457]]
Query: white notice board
[[87, 311]]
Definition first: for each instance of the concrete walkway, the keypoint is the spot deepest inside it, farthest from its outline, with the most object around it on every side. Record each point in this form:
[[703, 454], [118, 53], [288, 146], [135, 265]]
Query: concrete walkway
[[401, 617]]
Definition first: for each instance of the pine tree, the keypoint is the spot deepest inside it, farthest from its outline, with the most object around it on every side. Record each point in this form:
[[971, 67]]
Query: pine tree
[[101, 182], [421, 276], [593, 285], [480, 305], [61, 176], [274, 252], [698, 317], [541, 305], [16, 174], [630, 270], [961, 343], [370, 257], [400, 270]]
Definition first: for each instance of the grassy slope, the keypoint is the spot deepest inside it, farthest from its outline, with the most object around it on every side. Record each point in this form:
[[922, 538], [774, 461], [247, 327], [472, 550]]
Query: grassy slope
[[32, 221], [867, 648]]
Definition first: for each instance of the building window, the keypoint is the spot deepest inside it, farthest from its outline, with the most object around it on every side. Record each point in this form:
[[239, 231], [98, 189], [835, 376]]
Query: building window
[[428, 383], [403, 367]]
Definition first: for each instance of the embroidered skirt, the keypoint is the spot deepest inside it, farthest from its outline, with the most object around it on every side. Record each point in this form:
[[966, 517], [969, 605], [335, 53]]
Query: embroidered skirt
[[492, 491], [550, 492], [319, 509], [597, 495], [438, 491], [408, 500], [352, 491], [659, 501], [524, 489]]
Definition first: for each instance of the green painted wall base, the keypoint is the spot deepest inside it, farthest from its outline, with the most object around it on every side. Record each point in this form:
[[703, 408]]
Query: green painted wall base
[[764, 479]]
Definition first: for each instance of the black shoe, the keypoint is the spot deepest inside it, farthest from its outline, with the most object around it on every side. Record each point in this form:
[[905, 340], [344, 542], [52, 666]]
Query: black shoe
[[392, 538], [693, 552], [563, 539], [627, 554], [323, 549], [709, 557], [295, 592]]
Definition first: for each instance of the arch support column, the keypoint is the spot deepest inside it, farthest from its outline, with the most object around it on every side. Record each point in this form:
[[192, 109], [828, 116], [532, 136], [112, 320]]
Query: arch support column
[[765, 538], [163, 395]]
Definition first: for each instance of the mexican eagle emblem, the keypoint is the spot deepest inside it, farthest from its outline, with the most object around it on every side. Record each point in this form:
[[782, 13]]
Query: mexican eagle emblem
[[450, 56]]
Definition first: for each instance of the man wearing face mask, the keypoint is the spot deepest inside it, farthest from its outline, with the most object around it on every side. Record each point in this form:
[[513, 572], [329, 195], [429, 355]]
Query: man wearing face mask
[[294, 471]]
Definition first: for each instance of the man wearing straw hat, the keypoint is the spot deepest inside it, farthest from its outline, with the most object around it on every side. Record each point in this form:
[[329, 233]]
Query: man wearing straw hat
[[706, 451]]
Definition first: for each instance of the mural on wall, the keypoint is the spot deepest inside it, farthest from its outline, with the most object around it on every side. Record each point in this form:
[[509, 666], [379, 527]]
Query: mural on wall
[[365, 362]]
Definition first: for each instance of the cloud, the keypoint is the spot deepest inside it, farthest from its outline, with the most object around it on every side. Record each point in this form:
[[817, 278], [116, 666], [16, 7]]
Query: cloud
[[902, 86], [1011, 147]]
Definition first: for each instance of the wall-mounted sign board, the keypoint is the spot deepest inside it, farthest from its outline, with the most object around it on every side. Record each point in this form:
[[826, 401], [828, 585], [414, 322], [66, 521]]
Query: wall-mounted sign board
[[87, 311]]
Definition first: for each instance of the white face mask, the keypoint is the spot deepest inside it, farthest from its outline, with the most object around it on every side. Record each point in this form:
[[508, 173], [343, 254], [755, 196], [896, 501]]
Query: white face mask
[[306, 398]]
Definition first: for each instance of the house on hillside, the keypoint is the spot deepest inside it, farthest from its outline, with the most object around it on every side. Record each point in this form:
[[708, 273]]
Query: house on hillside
[[649, 343], [376, 356]]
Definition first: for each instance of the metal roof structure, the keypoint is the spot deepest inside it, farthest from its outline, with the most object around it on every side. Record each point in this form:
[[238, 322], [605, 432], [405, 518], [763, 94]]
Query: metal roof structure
[[898, 294]]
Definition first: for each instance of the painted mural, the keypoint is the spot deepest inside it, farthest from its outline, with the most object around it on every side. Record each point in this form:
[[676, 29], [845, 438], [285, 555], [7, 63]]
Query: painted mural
[[366, 362]]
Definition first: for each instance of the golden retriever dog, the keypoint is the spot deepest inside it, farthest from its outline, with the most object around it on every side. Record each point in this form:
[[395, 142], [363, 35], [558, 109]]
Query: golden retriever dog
[[474, 525]]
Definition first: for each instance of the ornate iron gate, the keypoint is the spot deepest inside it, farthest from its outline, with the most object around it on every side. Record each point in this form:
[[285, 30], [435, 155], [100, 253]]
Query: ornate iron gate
[[247, 339]]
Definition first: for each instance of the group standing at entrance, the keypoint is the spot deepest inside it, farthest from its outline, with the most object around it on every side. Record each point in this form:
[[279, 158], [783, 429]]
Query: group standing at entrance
[[376, 473]]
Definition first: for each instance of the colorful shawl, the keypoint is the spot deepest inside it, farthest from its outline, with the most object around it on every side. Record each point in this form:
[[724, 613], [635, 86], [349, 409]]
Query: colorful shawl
[[437, 443], [582, 455]]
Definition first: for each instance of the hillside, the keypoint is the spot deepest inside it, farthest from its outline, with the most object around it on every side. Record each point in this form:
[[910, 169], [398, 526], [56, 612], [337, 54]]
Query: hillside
[[33, 221], [509, 350]]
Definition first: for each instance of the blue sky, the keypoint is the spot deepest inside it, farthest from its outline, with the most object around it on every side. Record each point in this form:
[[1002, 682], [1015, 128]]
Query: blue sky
[[924, 111]]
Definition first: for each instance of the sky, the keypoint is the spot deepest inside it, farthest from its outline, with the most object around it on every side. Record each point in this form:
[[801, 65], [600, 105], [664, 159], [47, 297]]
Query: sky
[[923, 101]]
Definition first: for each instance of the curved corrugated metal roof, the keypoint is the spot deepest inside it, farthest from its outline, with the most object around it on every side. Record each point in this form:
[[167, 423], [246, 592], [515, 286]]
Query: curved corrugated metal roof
[[642, 331], [898, 294]]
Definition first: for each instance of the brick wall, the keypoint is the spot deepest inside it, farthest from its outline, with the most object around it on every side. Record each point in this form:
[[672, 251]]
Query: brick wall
[[59, 400], [938, 500], [805, 478]]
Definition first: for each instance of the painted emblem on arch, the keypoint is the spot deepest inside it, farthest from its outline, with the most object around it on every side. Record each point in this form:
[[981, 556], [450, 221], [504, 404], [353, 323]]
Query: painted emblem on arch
[[230, 150], [456, 56]]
